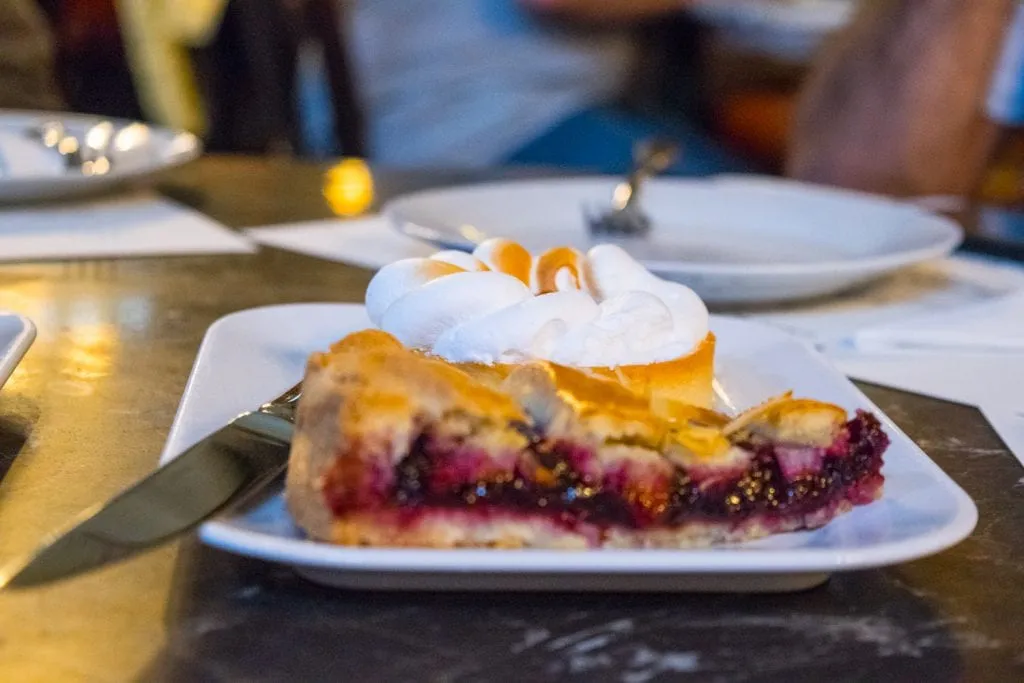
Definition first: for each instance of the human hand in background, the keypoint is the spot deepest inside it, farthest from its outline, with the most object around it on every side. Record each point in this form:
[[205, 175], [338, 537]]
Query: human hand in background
[[896, 104]]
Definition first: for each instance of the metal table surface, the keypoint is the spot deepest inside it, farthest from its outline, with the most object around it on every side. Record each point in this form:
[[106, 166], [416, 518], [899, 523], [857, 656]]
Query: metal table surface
[[88, 410]]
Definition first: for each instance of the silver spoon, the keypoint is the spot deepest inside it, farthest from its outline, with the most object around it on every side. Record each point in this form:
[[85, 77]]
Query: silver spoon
[[625, 218]]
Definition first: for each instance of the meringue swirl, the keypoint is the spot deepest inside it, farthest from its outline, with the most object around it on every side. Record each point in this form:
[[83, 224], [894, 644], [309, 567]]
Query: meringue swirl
[[500, 305]]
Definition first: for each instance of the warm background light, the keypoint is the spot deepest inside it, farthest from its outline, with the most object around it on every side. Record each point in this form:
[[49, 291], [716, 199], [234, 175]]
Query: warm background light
[[348, 187]]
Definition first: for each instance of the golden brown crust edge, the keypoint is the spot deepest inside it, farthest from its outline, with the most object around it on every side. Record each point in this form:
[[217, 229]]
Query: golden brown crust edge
[[687, 379], [314, 446]]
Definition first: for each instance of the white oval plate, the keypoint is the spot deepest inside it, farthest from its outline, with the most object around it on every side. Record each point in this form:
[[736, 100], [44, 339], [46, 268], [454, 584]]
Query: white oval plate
[[16, 335], [785, 29], [162, 150], [253, 355], [733, 239], [779, 16]]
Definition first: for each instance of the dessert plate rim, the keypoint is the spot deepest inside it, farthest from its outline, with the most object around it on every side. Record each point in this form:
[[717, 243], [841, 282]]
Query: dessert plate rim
[[911, 234], [14, 347], [946, 235], [194, 419], [166, 149]]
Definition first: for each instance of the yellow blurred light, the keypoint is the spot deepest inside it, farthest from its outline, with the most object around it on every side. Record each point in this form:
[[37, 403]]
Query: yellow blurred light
[[621, 195], [51, 137], [348, 187], [99, 135], [1003, 184], [68, 146]]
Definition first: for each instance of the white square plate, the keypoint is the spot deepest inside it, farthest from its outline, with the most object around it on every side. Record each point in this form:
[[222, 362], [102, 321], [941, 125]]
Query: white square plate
[[16, 335], [251, 356]]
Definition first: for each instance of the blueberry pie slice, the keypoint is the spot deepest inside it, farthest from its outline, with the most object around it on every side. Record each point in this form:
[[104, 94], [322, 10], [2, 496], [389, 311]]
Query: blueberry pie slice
[[394, 447]]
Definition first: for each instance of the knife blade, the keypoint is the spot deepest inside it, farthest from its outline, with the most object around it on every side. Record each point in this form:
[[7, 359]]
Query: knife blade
[[231, 466]]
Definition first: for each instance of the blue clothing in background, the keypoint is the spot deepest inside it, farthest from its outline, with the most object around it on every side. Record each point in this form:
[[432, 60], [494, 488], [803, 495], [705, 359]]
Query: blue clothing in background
[[602, 140], [462, 83], [1006, 96]]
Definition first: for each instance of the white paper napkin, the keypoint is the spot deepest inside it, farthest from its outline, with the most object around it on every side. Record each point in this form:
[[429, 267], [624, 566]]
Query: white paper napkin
[[996, 325], [947, 329], [1009, 425], [367, 242], [977, 378], [139, 225], [939, 294]]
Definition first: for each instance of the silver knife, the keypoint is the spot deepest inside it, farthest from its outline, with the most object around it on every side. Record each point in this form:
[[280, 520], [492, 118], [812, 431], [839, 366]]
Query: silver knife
[[231, 466]]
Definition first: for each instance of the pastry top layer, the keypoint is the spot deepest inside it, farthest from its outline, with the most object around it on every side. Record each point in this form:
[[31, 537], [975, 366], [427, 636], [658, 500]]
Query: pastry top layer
[[382, 380], [375, 371]]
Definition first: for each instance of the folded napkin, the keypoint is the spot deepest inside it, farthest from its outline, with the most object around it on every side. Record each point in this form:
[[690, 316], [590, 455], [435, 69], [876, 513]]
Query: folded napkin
[[994, 325], [973, 378], [927, 306], [952, 329], [139, 225], [368, 242]]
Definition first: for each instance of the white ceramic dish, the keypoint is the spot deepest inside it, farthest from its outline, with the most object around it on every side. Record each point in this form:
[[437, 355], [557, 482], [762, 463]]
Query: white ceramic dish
[[16, 334], [30, 173], [789, 29], [781, 15], [253, 355], [733, 239]]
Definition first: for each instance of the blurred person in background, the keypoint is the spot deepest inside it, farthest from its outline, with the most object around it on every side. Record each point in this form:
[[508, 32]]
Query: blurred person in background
[[223, 69], [27, 78], [472, 83], [897, 104]]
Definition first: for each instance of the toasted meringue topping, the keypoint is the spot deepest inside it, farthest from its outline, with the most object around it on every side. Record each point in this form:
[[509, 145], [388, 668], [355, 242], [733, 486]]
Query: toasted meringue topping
[[506, 256], [402, 277], [419, 317], [460, 259], [602, 309], [558, 269]]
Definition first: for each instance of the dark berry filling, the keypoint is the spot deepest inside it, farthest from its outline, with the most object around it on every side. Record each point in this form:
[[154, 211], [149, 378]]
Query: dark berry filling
[[433, 475]]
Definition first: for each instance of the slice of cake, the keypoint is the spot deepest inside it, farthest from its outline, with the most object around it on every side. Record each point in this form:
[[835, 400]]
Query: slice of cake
[[395, 448]]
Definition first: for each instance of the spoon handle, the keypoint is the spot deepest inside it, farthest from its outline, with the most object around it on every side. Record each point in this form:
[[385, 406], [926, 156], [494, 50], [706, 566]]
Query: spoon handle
[[650, 157]]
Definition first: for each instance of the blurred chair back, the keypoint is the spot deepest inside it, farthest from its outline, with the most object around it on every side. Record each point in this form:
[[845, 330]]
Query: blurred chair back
[[247, 76], [326, 22], [227, 69], [90, 65]]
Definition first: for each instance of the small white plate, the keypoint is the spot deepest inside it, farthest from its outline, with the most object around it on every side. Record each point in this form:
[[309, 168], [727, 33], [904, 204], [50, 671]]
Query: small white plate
[[733, 239], [29, 172], [253, 355], [789, 29], [817, 16], [16, 334]]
